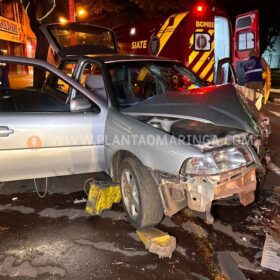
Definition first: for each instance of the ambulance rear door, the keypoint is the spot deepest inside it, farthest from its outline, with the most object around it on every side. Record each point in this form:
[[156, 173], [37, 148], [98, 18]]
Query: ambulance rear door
[[246, 38]]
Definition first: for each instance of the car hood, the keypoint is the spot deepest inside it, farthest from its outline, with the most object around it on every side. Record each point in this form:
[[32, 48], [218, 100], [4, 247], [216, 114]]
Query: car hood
[[218, 105]]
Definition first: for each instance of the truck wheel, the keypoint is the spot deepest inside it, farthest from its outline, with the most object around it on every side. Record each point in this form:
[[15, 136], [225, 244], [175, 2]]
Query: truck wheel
[[140, 196]]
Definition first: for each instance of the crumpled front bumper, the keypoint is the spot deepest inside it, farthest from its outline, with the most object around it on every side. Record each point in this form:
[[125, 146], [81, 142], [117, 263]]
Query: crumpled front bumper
[[198, 192]]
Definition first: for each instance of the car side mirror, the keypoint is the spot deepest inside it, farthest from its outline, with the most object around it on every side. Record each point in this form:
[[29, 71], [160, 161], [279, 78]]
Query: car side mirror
[[80, 104]]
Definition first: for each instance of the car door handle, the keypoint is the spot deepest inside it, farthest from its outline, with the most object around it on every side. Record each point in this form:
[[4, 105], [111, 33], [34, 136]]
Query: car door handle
[[5, 131]]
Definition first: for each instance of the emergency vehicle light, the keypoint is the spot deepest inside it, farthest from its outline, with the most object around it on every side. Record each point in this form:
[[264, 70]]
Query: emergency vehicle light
[[199, 8], [133, 31]]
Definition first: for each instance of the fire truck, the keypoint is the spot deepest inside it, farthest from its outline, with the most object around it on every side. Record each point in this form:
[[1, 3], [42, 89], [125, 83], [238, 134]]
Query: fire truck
[[200, 37]]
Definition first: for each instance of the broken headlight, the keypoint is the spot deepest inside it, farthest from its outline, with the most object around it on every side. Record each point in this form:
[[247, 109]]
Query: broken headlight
[[218, 161]]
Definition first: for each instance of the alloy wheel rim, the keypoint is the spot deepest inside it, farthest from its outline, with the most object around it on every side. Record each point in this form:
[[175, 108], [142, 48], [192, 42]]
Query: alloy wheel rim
[[130, 193]]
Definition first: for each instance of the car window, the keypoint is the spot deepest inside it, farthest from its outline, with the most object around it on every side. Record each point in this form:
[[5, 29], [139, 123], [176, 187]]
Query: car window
[[68, 69], [92, 79], [89, 69], [136, 81], [18, 93], [54, 85], [16, 76]]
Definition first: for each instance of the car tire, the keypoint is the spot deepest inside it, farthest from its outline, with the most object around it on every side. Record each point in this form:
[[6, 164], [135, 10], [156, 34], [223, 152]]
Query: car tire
[[140, 196]]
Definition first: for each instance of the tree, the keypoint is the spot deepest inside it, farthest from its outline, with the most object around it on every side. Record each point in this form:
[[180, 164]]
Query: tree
[[41, 12], [110, 13], [157, 7], [119, 12]]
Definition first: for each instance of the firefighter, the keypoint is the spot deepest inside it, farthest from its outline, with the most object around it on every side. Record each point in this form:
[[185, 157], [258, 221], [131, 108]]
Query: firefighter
[[253, 69]]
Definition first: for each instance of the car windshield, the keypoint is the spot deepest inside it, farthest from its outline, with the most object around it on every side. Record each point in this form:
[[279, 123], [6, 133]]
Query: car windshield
[[136, 81]]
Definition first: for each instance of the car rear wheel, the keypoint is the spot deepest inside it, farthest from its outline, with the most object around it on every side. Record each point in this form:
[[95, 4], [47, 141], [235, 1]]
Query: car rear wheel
[[140, 196]]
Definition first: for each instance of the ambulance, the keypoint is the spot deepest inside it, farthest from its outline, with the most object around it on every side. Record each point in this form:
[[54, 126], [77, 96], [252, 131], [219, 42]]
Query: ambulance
[[202, 37]]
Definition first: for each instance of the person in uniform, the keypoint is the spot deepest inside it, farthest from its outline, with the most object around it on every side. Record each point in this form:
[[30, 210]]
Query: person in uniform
[[253, 69]]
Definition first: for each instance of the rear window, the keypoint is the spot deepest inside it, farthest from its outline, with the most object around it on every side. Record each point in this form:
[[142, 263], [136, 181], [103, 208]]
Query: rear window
[[244, 22], [68, 36], [246, 41]]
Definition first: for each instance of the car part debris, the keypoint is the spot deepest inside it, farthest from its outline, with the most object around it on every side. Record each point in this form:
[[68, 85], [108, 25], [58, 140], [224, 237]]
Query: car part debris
[[158, 242], [14, 198], [102, 196], [229, 267], [271, 254], [78, 201]]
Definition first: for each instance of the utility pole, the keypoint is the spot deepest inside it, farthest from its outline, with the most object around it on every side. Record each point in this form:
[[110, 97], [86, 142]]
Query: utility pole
[[72, 10]]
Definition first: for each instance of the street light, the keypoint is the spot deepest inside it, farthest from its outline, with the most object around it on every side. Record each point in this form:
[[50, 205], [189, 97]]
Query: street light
[[63, 20], [81, 13]]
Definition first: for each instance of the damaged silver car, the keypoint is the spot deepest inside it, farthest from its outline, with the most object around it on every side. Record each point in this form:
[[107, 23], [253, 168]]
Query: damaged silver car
[[212, 149], [151, 124]]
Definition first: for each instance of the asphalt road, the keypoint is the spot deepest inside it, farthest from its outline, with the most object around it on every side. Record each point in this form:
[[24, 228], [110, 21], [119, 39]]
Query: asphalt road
[[53, 238]]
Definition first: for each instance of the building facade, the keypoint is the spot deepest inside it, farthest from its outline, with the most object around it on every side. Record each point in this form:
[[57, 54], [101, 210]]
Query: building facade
[[16, 36]]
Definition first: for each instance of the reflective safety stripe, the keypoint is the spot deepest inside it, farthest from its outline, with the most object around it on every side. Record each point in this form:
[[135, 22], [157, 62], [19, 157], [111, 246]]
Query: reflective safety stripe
[[253, 71], [207, 68], [202, 62], [167, 30]]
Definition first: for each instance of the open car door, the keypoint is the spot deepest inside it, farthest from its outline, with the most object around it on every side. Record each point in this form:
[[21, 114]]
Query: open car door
[[79, 39], [42, 136], [224, 72], [246, 38]]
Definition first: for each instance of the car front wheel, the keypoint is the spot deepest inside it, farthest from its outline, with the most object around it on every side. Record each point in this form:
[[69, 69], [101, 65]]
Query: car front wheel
[[140, 196]]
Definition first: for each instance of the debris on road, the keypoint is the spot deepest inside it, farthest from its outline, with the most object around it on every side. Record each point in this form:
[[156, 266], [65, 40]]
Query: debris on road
[[14, 198], [271, 254], [243, 238], [158, 242], [102, 196], [78, 201]]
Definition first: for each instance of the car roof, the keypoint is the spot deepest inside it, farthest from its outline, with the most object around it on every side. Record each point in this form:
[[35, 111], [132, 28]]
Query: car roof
[[109, 58]]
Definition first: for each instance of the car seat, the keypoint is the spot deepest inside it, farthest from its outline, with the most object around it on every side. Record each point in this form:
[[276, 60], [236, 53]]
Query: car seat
[[95, 83]]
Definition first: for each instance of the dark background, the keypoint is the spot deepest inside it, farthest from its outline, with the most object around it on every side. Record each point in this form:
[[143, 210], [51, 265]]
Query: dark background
[[112, 13]]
